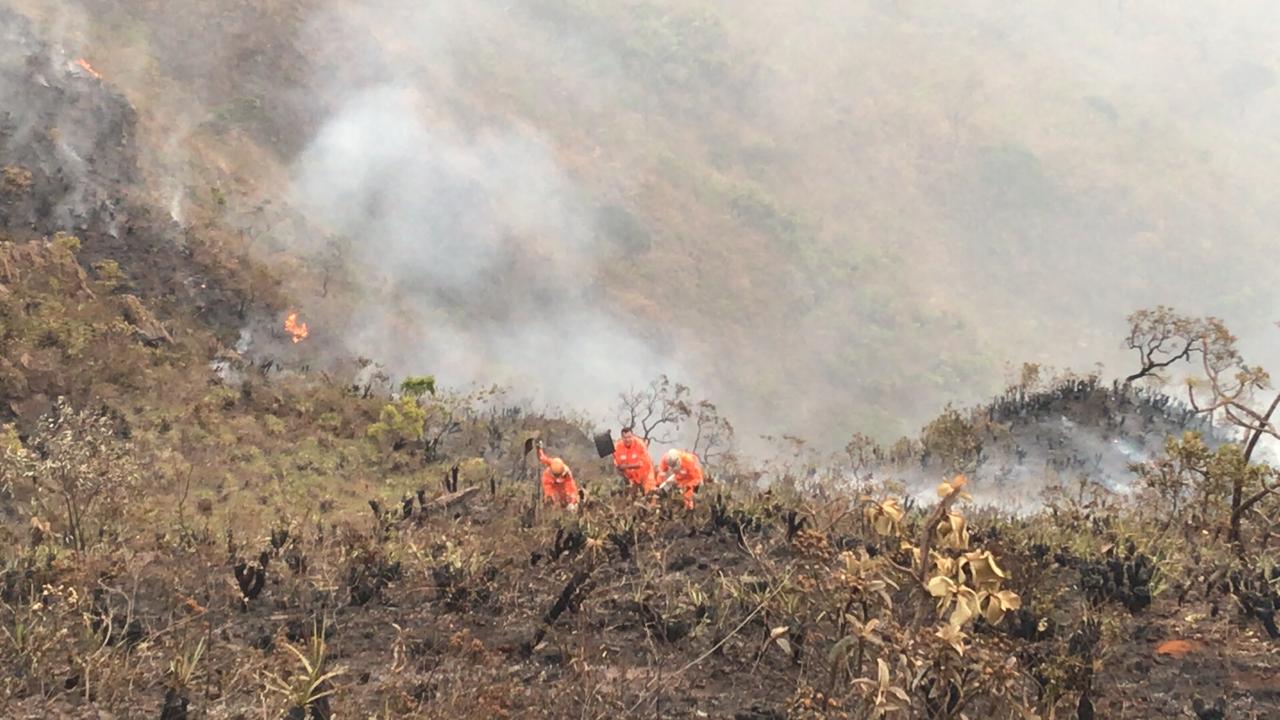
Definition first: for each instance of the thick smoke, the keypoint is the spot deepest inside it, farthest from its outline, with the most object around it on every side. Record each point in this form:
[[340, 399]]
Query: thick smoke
[[487, 247], [903, 216], [434, 209]]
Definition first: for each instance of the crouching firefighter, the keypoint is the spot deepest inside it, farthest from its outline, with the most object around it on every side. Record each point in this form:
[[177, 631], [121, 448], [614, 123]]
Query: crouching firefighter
[[631, 458], [681, 469], [558, 486]]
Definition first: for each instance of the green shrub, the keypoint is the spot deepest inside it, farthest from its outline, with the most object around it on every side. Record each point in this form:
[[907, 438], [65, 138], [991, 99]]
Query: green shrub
[[416, 386], [399, 423]]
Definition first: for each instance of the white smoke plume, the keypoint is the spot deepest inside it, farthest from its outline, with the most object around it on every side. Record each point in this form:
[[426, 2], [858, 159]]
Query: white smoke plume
[[484, 240]]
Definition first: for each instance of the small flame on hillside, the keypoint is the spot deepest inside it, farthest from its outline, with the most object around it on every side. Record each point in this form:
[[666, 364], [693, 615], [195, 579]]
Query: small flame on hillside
[[84, 65], [297, 329]]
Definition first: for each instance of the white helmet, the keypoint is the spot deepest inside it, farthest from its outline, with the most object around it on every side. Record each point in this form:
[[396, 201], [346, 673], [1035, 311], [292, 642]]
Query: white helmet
[[673, 458]]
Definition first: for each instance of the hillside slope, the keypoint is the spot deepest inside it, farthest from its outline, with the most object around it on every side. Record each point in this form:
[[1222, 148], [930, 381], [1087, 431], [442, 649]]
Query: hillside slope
[[205, 516], [906, 200]]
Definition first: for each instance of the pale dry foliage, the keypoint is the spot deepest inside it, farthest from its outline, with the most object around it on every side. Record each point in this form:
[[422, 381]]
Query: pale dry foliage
[[78, 469]]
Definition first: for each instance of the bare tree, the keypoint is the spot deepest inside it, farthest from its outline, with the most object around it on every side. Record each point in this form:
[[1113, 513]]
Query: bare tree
[[657, 410], [1161, 337], [713, 435], [1227, 386], [1232, 387]]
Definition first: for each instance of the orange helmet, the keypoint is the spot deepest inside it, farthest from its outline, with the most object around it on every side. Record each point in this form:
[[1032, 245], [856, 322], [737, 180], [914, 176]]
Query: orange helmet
[[558, 467]]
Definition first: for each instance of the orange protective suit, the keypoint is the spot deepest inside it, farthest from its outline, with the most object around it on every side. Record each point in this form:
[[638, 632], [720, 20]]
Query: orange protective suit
[[559, 489], [688, 475], [635, 464]]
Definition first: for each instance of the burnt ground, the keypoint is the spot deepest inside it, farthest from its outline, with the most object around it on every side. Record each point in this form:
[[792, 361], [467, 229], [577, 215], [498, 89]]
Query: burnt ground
[[441, 637], [497, 611], [70, 165]]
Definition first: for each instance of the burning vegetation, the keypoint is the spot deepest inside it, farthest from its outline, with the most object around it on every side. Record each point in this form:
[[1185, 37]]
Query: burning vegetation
[[296, 329], [83, 64]]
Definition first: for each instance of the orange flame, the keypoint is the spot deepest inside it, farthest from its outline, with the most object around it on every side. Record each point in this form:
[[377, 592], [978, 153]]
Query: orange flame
[[297, 329], [84, 64]]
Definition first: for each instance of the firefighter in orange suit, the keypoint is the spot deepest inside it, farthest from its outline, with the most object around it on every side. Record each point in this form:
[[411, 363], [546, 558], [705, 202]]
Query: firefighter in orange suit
[[558, 486], [631, 458], [683, 470]]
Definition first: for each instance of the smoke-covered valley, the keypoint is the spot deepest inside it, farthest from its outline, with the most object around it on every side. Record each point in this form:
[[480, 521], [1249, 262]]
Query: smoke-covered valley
[[826, 218]]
